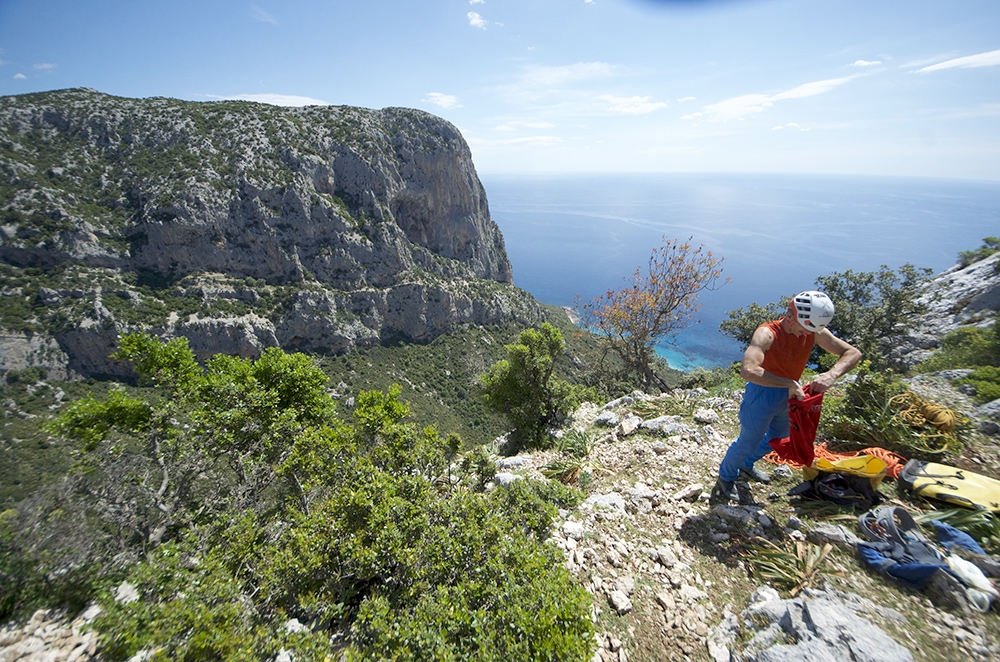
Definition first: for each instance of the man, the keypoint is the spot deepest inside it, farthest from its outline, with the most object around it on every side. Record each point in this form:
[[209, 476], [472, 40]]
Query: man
[[772, 366]]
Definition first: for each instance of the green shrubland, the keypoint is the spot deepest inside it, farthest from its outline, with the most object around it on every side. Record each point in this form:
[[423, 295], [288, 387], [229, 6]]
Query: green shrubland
[[234, 498]]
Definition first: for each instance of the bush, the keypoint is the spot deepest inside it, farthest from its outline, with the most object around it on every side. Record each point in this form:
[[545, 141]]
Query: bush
[[367, 532], [874, 411], [990, 246], [46, 556], [524, 389], [986, 381], [965, 347]]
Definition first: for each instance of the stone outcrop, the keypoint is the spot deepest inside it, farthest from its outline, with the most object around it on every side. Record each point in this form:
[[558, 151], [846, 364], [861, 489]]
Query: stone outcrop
[[960, 296], [50, 636], [240, 226], [821, 625]]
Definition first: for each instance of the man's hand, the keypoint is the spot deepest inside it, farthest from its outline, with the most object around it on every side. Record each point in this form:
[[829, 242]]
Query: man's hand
[[822, 382], [796, 392]]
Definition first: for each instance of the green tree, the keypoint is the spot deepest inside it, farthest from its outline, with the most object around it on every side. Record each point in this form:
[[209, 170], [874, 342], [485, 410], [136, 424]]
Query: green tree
[[659, 303], [392, 556], [524, 389], [210, 442], [874, 308], [742, 323]]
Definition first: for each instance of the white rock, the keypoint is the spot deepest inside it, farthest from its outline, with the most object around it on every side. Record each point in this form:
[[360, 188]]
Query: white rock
[[706, 416], [689, 593], [611, 501], [620, 602], [573, 530], [126, 593], [506, 478]]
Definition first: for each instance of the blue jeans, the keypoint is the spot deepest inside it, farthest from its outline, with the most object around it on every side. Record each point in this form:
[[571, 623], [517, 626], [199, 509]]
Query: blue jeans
[[763, 417]]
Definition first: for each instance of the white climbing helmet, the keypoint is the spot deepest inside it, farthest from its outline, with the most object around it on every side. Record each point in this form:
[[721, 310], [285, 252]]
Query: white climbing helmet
[[813, 310]]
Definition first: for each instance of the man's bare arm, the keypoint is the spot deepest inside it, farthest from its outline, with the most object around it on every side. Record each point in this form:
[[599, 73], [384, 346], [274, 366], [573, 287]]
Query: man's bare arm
[[849, 357]]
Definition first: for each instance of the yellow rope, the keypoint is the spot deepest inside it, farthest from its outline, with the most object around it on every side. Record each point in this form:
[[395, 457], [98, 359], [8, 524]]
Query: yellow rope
[[918, 413]]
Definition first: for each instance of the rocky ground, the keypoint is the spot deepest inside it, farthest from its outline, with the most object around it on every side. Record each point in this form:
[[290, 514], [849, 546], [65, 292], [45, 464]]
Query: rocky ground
[[670, 575]]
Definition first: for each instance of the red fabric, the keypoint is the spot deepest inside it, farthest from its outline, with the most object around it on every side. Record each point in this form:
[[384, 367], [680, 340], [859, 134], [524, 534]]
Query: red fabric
[[803, 419], [894, 462]]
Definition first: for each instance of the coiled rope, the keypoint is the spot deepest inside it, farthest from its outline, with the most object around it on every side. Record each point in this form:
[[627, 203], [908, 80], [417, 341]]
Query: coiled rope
[[916, 412]]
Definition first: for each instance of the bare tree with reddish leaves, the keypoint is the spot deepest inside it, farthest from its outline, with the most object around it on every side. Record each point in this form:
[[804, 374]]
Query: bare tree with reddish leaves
[[657, 305]]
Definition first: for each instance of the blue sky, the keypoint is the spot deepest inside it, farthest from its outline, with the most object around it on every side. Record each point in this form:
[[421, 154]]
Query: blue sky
[[872, 87]]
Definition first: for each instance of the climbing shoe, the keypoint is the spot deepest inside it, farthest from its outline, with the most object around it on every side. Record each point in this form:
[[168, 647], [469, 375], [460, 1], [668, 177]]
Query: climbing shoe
[[756, 474], [723, 492]]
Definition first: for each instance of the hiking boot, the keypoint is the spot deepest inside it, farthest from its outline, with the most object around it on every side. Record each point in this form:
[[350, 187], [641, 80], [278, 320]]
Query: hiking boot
[[723, 492], [753, 473]]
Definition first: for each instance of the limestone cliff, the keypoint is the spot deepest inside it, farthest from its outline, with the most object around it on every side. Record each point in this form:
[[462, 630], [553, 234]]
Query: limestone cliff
[[960, 296], [238, 225]]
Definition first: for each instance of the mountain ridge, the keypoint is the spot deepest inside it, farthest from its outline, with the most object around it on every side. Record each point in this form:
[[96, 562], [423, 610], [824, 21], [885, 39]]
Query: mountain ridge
[[238, 225]]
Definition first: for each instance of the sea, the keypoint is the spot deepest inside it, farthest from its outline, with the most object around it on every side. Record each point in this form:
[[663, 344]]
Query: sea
[[571, 238]]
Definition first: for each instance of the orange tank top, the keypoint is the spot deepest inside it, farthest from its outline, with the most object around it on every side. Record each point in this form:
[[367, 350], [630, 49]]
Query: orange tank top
[[788, 354]]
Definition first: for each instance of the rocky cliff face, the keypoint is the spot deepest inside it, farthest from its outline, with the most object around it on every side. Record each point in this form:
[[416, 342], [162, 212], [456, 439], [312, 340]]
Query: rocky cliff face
[[960, 296], [238, 225]]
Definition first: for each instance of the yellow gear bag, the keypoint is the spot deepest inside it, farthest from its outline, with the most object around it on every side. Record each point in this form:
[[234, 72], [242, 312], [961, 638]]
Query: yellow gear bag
[[865, 466]]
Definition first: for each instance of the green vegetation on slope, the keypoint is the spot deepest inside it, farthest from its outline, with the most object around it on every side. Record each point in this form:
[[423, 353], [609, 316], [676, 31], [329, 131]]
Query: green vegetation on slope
[[233, 498]]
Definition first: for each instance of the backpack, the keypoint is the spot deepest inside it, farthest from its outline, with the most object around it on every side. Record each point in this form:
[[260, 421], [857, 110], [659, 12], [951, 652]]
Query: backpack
[[841, 488]]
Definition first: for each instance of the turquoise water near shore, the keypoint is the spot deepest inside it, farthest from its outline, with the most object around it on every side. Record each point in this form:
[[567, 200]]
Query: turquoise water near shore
[[580, 235]]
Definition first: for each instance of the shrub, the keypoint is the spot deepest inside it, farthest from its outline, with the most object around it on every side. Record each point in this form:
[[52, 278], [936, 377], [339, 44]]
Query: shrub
[[524, 389], [875, 411], [966, 347], [990, 246], [271, 509], [986, 381]]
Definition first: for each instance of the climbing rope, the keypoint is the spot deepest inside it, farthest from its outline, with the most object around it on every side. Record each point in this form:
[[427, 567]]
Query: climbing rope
[[916, 412]]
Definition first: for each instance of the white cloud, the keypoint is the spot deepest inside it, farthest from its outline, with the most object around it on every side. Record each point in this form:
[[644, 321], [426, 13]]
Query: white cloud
[[514, 125], [273, 99], [477, 2], [529, 141], [442, 100], [748, 104], [812, 89], [20, 77], [789, 125], [989, 59], [733, 109], [632, 105], [539, 76], [44, 66], [258, 14], [686, 99], [476, 21], [866, 63]]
